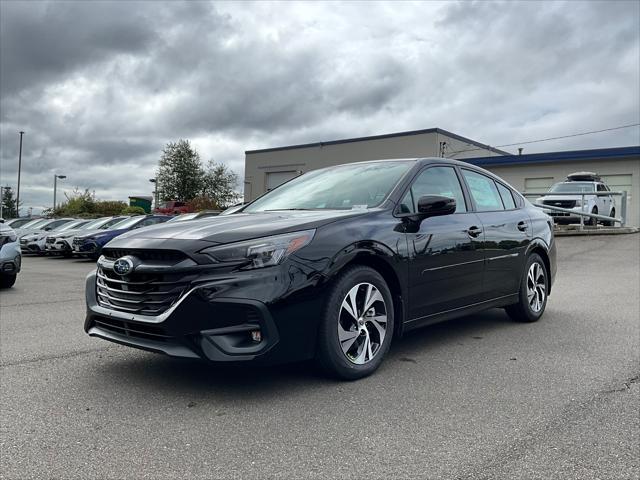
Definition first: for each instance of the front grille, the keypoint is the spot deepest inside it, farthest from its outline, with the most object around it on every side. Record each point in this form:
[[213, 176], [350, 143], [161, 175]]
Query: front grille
[[132, 329], [144, 255], [77, 241], [141, 293], [560, 203], [51, 239]]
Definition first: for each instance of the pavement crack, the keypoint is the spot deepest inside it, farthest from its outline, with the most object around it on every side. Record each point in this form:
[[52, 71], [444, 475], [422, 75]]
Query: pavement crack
[[55, 357], [75, 300]]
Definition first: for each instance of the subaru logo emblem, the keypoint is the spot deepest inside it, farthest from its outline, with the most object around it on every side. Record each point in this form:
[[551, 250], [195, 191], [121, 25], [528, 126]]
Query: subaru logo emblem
[[123, 266]]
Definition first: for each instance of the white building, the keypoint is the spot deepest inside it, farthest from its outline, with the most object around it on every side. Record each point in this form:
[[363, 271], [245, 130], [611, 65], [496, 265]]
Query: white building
[[619, 167]]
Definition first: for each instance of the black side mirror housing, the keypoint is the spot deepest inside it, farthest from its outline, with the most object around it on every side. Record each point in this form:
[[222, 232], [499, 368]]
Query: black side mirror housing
[[436, 205]]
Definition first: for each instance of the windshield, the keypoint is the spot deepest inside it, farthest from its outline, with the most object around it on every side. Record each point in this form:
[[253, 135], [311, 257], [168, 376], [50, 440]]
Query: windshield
[[356, 185], [182, 218], [34, 223], [573, 187], [72, 225], [127, 222]]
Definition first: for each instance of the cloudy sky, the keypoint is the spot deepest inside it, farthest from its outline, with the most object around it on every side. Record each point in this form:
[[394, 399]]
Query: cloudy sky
[[100, 87]]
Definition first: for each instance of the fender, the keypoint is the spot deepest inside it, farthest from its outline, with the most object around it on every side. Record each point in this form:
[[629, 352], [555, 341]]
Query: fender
[[380, 256]]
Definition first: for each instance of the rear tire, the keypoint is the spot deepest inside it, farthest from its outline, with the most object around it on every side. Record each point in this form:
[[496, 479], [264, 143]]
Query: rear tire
[[610, 223], [357, 324], [533, 294], [7, 281]]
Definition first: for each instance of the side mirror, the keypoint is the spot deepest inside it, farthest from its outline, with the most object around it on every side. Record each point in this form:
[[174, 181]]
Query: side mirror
[[436, 205]]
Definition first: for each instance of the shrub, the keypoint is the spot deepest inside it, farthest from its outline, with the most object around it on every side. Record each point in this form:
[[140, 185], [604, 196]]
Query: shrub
[[133, 211]]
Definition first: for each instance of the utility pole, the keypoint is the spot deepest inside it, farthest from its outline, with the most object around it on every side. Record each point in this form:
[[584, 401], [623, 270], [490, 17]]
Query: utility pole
[[19, 168]]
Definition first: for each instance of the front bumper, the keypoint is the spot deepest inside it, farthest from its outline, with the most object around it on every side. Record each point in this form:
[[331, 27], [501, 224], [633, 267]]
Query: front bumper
[[10, 259], [88, 247], [213, 321]]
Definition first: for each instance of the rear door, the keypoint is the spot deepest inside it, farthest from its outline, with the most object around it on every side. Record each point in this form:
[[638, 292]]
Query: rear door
[[446, 263], [507, 233]]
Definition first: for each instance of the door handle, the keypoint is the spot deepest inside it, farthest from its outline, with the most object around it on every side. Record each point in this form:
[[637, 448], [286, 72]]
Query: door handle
[[522, 226], [474, 231]]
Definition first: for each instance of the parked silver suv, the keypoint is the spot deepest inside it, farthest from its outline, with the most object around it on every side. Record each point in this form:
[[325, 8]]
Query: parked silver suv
[[10, 256], [580, 183]]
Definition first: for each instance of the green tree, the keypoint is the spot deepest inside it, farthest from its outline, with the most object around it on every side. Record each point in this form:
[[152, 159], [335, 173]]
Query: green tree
[[180, 172], [219, 184], [9, 207]]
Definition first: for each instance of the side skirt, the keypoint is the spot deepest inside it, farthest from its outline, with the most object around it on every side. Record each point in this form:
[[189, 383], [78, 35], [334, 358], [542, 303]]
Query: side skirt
[[461, 311]]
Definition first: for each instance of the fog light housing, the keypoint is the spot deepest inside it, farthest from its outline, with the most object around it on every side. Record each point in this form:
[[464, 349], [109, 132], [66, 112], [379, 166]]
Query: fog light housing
[[256, 336]]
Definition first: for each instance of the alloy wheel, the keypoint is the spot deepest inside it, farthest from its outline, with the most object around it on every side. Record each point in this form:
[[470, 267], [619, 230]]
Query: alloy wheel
[[536, 287], [362, 323]]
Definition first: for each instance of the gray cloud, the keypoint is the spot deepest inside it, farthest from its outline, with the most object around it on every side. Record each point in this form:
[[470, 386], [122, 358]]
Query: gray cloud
[[100, 87]]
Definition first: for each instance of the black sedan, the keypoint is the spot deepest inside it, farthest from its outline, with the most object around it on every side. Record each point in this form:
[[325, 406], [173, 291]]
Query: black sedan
[[331, 265]]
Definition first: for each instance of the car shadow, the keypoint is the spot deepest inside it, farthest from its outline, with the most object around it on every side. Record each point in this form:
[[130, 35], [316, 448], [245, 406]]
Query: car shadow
[[242, 382]]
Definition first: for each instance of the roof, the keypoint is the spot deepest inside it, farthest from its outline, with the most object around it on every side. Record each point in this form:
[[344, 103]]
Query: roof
[[380, 137], [554, 157]]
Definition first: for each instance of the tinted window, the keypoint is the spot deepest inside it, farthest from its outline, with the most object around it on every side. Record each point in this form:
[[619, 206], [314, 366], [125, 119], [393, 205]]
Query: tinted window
[[507, 197], [434, 181], [484, 191], [573, 187], [601, 188]]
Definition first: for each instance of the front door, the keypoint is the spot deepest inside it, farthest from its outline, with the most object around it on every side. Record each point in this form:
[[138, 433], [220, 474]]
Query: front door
[[446, 263]]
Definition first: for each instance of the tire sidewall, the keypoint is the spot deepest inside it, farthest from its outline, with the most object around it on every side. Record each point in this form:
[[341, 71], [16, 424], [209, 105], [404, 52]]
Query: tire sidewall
[[529, 313], [329, 344]]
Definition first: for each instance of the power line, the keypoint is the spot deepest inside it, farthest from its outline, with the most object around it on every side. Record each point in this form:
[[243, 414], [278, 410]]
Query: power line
[[550, 138]]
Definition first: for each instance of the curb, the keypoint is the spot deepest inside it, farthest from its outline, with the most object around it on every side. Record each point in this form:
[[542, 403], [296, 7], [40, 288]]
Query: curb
[[599, 231]]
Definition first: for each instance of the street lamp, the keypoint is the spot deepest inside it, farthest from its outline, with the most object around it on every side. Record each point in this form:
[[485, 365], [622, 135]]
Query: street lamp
[[19, 169], [55, 188], [155, 192]]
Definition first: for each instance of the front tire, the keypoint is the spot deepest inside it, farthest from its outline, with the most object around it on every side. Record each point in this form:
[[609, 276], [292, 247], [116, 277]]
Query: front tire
[[533, 294], [7, 281], [357, 324]]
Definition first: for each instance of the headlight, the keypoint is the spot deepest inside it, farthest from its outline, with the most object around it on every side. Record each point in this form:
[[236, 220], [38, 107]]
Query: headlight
[[261, 252]]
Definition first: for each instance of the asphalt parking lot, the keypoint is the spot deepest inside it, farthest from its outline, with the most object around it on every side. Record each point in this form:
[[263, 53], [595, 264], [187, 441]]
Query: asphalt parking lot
[[478, 397]]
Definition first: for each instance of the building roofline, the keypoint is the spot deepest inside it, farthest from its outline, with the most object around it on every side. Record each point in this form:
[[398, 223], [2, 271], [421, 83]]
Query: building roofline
[[563, 156], [380, 137]]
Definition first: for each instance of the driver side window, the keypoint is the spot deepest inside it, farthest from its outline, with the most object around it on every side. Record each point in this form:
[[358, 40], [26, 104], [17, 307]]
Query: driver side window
[[434, 181]]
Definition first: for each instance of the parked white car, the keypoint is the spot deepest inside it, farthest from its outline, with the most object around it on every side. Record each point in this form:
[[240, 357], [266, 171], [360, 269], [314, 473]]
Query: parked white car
[[33, 241], [61, 243], [580, 183], [10, 256]]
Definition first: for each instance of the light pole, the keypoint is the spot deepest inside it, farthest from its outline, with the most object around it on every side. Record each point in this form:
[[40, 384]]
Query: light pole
[[55, 188], [19, 168], [155, 191]]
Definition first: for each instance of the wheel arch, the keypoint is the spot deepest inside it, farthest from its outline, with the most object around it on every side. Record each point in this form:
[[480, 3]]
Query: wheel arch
[[539, 247], [382, 260]]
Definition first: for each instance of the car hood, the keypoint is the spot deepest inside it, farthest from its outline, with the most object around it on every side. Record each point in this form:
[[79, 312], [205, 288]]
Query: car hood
[[102, 233], [556, 198], [241, 226]]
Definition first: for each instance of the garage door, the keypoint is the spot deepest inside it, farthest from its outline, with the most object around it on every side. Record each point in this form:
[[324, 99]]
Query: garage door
[[278, 178], [537, 184], [619, 183]]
